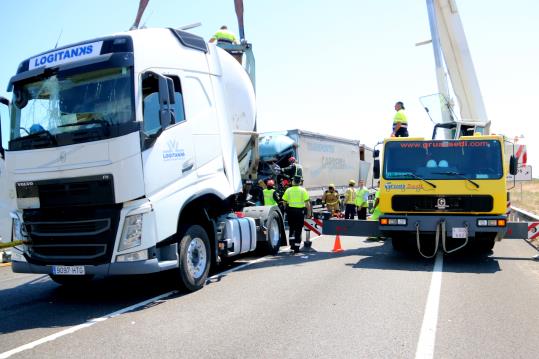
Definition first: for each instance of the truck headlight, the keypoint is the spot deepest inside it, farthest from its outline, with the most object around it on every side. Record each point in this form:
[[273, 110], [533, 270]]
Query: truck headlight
[[133, 257], [131, 233]]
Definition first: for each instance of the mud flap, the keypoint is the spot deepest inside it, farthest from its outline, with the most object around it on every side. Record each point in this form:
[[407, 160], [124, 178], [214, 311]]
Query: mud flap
[[516, 230], [352, 227]]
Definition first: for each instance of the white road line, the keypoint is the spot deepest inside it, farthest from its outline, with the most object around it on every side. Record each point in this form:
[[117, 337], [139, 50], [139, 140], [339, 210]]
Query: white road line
[[427, 337], [91, 322]]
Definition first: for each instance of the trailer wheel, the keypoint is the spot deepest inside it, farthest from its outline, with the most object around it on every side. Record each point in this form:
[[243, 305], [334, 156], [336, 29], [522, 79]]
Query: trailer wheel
[[274, 234], [194, 258]]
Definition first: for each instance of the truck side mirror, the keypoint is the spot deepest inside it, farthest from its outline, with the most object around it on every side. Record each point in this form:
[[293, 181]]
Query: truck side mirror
[[165, 114], [376, 154], [513, 165], [376, 169], [3, 101]]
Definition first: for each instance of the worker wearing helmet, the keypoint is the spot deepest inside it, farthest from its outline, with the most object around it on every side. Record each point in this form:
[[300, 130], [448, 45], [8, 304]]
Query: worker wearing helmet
[[362, 200], [271, 198], [350, 201], [224, 36], [331, 199], [294, 169], [297, 202], [400, 122]]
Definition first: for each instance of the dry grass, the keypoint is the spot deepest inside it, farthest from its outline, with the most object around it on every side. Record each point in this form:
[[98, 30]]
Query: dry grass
[[525, 196]]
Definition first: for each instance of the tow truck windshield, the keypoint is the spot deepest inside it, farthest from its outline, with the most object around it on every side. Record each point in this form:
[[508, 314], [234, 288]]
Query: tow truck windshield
[[443, 160], [66, 108]]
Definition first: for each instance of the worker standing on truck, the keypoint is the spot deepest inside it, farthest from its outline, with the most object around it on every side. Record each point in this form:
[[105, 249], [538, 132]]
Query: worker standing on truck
[[224, 36], [350, 201], [331, 199], [271, 198], [294, 169], [297, 202], [400, 122], [362, 200]]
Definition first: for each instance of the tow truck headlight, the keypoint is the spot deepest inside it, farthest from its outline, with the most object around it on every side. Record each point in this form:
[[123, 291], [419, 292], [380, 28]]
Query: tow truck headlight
[[491, 222], [393, 221], [131, 233]]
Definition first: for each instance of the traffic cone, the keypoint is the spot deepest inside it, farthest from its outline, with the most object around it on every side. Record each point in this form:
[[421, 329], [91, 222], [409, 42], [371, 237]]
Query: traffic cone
[[337, 246]]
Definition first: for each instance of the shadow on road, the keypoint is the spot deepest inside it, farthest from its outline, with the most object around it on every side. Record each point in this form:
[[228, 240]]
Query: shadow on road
[[42, 303]]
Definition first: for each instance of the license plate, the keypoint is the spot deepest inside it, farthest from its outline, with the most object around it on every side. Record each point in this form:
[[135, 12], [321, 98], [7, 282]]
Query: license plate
[[460, 232], [68, 270]]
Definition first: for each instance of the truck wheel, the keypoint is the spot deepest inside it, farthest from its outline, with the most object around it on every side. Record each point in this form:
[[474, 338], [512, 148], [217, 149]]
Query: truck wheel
[[484, 243], [194, 258], [274, 234], [71, 280]]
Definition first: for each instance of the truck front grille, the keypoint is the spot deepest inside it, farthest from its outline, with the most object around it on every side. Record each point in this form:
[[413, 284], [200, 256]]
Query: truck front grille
[[70, 236], [452, 203]]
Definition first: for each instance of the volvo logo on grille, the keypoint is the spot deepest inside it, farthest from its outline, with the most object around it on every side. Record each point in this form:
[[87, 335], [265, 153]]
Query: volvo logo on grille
[[441, 204]]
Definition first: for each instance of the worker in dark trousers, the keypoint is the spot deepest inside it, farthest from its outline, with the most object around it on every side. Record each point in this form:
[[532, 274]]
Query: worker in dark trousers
[[400, 121], [297, 202], [350, 201]]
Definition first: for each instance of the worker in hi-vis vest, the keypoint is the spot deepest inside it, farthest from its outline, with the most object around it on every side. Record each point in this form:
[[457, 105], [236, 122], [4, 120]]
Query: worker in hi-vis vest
[[350, 201], [331, 199], [224, 36], [271, 198], [362, 200], [400, 122], [297, 202], [376, 213]]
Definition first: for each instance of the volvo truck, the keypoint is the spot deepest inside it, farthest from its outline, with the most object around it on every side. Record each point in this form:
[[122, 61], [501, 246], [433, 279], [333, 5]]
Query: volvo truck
[[125, 156]]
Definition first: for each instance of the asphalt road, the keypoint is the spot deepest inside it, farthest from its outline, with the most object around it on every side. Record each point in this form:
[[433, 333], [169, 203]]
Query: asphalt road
[[365, 302]]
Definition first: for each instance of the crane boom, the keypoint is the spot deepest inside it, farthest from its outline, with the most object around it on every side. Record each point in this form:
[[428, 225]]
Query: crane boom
[[449, 32]]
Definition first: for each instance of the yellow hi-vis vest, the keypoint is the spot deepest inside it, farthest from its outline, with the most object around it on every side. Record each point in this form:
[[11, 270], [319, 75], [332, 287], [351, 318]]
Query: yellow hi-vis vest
[[400, 117], [268, 197], [296, 197], [362, 197], [350, 196], [225, 35]]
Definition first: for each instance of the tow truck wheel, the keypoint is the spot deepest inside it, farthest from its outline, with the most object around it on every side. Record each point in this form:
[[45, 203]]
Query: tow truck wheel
[[194, 258], [274, 233], [484, 242]]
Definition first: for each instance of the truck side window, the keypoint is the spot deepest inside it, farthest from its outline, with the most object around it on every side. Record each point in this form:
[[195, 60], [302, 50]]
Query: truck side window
[[150, 104]]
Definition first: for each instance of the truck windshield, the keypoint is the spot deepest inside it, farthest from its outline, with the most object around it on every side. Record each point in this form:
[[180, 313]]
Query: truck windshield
[[447, 160], [66, 108]]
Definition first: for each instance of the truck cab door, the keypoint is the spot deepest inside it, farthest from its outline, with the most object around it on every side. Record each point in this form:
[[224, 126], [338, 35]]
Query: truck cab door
[[5, 221], [168, 153]]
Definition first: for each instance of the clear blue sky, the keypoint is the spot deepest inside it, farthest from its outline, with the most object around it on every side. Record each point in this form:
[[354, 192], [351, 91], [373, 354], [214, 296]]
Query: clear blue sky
[[333, 67]]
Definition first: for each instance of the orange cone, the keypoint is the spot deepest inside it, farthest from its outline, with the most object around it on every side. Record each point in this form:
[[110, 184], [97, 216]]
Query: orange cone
[[337, 246]]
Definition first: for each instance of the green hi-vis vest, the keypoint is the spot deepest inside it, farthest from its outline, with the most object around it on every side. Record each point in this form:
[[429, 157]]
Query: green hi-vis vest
[[376, 212], [268, 197], [225, 35], [400, 117], [362, 197], [296, 197]]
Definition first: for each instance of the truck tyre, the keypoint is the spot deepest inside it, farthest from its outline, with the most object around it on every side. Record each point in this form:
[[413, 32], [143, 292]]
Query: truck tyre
[[274, 232], [71, 280], [194, 258], [484, 243], [399, 244]]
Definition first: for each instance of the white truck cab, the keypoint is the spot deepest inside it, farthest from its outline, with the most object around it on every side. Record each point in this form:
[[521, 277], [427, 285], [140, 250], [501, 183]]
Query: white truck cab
[[123, 157]]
